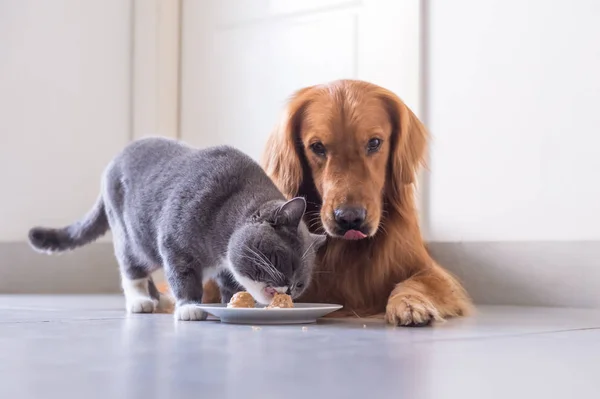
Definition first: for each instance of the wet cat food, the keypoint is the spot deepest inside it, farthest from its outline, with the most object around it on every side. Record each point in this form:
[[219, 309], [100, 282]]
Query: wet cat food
[[281, 301], [241, 299]]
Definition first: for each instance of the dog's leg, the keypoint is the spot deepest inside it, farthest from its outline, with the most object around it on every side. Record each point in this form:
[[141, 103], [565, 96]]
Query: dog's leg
[[429, 295], [212, 293]]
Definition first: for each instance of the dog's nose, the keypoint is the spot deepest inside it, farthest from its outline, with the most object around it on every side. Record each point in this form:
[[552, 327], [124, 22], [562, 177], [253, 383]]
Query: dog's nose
[[350, 218]]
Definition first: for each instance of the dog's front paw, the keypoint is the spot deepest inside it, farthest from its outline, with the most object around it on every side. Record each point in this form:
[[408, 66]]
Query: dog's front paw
[[190, 312], [165, 304], [411, 310]]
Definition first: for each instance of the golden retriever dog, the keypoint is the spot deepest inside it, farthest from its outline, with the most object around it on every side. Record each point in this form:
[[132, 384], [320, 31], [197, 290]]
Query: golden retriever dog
[[353, 149]]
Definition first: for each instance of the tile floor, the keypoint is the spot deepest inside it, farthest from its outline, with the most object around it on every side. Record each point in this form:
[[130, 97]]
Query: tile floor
[[86, 347]]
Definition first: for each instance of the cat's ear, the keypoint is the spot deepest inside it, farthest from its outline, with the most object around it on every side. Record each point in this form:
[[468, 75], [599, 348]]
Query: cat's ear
[[317, 240], [290, 213]]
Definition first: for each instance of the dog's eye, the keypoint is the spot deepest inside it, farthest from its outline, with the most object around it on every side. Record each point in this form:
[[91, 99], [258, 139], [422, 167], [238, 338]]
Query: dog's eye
[[373, 145], [318, 148]]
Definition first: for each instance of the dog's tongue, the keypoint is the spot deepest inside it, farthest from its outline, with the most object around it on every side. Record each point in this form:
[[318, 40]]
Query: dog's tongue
[[354, 235]]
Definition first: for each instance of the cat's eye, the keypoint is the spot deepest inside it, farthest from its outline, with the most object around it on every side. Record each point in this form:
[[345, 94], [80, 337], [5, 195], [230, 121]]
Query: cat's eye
[[374, 145], [318, 149], [299, 285]]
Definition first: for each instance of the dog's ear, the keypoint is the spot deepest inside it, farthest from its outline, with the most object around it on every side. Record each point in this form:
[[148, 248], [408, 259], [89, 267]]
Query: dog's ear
[[281, 159], [409, 141]]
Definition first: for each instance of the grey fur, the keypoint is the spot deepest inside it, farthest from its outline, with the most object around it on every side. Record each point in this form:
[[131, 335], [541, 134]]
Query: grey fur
[[88, 229], [195, 212]]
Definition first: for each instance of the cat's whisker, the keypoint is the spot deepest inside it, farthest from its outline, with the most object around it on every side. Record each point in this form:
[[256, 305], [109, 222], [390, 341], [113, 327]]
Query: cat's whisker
[[315, 224], [313, 213], [320, 230], [273, 268], [312, 244], [261, 258], [270, 268], [251, 258], [256, 258], [306, 251]]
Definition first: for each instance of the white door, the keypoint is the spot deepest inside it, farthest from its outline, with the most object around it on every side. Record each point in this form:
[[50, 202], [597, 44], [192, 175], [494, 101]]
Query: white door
[[241, 59]]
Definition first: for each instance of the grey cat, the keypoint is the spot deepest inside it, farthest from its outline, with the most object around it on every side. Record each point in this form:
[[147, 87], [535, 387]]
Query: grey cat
[[200, 214]]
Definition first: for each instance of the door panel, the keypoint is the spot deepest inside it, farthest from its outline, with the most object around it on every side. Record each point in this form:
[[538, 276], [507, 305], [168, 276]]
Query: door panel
[[242, 59]]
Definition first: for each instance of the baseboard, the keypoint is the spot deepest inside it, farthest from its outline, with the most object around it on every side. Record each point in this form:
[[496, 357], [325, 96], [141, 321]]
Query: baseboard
[[89, 270], [526, 273], [507, 273]]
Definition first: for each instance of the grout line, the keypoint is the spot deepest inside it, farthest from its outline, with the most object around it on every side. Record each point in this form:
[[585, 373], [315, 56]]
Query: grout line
[[424, 174]]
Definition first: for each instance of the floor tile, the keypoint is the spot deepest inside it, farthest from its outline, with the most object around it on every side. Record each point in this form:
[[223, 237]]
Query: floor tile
[[80, 347]]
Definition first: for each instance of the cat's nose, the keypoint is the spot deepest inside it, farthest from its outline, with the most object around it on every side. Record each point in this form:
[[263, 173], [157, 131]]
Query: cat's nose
[[289, 291]]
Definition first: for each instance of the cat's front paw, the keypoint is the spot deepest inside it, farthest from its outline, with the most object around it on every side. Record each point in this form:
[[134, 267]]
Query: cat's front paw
[[190, 312], [140, 305]]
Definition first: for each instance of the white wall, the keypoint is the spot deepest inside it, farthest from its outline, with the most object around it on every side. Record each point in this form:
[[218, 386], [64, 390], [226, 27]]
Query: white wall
[[78, 80], [64, 106], [513, 104]]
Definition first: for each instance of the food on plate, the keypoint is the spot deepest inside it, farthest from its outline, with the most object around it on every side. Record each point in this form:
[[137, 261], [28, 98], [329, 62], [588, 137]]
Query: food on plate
[[281, 301], [241, 299]]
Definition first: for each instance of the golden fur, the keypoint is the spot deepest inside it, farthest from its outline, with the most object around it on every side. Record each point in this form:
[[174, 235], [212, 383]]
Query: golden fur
[[390, 271]]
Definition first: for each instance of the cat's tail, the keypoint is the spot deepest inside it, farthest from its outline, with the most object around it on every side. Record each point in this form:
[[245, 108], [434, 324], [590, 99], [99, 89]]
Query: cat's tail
[[82, 232]]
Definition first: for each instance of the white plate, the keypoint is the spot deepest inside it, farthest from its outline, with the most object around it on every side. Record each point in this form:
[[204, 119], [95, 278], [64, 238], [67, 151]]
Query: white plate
[[301, 313]]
